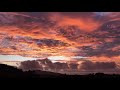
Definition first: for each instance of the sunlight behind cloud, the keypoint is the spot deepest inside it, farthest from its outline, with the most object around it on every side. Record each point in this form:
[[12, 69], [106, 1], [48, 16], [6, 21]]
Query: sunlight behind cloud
[[58, 58], [65, 57], [78, 57]]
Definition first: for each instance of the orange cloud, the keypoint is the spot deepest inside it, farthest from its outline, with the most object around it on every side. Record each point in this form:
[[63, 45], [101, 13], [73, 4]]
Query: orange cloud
[[84, 23], [105, 59]]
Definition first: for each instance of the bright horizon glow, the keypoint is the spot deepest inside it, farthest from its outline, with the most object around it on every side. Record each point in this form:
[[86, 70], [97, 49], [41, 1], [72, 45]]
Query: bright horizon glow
[[65, 57], [21, 58], [58, 58], [15, 58], [78, 57]]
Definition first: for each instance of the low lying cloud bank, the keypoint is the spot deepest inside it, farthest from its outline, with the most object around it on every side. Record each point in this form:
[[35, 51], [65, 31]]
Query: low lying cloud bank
[[85, 66], [98, 66]]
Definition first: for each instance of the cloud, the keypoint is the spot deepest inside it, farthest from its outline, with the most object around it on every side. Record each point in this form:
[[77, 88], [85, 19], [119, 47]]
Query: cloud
[[61, 66], [30, 65], [50, 42], [32, 34], [98, 66], [42, 15], [73, 66], [46, 64], [105, 41], [39, 64], [113, 16], [88, 66], [43, 64], [85, 21], [105, 48]]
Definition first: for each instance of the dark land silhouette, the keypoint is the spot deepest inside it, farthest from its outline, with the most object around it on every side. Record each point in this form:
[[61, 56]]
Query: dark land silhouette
[[9, 72]]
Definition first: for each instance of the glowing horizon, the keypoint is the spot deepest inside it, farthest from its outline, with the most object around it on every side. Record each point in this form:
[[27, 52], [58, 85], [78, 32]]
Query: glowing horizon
[[15, 58]]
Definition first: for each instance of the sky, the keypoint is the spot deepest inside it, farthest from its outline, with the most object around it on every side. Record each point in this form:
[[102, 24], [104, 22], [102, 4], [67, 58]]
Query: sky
[[15, 58], [60, 36]]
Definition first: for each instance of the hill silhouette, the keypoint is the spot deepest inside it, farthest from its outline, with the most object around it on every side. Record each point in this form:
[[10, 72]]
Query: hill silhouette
[[7, 72], [12, 72]]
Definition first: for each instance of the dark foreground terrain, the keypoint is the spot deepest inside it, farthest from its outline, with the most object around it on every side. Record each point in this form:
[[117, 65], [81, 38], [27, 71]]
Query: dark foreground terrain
[[10, 76], [9, 72]]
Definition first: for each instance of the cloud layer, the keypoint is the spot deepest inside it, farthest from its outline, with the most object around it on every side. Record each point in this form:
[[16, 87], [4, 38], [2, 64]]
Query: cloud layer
[[44, 34], [96, 66], [70, 67]]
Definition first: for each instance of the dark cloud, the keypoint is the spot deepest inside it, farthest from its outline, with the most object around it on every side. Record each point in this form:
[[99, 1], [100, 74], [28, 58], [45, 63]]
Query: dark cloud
[[25, 20], [106, 49], [89, 66], [77, 14], [73, 66], [107, 38], [40, 64], [49, 42], [97, 66], [43, 18], [46, 64], [37, 14], [70, 32], [30, 65], [61, 66]]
